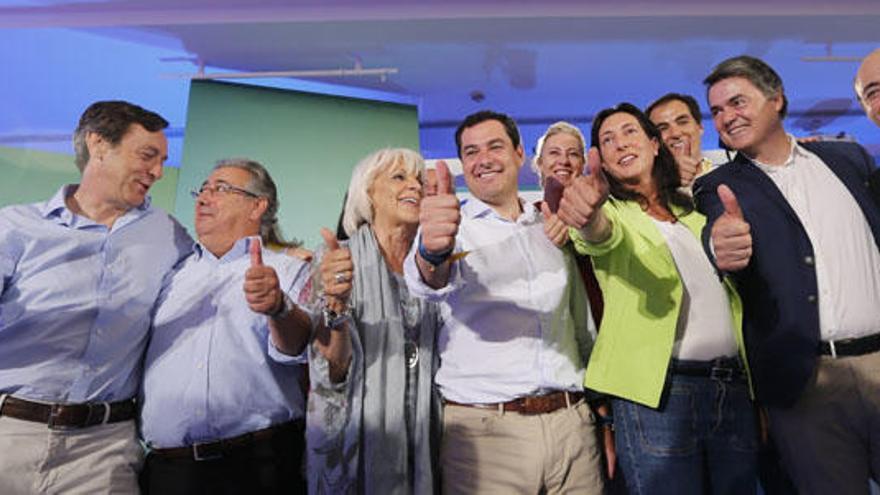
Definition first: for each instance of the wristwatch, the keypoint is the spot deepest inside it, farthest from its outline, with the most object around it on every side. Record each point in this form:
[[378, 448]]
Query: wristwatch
[[333, 320], [284, 309]]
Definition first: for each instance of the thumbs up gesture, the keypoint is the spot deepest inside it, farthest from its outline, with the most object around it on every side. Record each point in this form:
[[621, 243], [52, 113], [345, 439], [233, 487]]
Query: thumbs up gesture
[[439, 215], [337, 270], [730, 235], [261, 287], [586, 194]]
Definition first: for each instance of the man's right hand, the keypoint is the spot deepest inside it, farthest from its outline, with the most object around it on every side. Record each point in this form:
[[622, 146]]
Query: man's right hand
[[439, 215], [584, 197], [731, 240], [688, 166]]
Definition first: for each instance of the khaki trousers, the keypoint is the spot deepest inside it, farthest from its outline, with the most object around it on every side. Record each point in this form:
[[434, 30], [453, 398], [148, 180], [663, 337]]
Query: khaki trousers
[[99, 459], [829, 440], [486, 451]]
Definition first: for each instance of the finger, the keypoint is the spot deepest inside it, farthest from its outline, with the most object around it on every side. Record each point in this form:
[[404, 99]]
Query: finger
[[594, 165], [728, 199], [545, 210], [444, 178], [256, 250], [329, 239]]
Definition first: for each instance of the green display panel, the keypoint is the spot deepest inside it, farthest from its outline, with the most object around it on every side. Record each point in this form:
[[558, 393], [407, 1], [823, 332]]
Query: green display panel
[[309, 143], [31, 175]]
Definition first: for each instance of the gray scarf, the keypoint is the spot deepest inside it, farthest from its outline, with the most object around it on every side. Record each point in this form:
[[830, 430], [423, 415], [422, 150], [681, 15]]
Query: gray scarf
[[357, 430]]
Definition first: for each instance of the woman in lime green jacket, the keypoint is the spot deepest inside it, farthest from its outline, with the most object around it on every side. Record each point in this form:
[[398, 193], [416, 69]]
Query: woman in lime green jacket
[[669, 350]]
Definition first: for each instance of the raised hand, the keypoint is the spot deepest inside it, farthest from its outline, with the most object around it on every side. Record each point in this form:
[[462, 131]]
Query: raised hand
[[555, 229], [731, 240], [261, 287], [688, 166], [337, 271], [439, 215], [585, 195]]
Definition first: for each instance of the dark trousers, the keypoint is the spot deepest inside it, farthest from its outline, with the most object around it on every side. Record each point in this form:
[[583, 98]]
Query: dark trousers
[[272, 465]]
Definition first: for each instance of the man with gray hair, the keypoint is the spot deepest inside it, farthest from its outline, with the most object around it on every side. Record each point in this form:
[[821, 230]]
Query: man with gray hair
[[796, 228], [79, 274], [222, 399]]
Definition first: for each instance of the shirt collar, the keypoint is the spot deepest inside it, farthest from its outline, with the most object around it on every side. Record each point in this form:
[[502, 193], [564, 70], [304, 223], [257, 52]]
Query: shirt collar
[[56, 206], [475, 208], [239, 249], [796, 151]]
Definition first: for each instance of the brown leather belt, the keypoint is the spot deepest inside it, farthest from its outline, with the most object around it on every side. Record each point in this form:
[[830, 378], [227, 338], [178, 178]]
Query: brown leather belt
[[536, 404], [218, 449], [68, 416]]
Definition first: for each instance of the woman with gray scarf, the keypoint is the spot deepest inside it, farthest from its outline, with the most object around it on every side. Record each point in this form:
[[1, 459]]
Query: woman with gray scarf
[[372, 414]]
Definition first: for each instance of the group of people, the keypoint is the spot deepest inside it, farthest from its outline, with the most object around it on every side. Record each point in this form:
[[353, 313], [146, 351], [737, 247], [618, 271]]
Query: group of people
[[647, 327]]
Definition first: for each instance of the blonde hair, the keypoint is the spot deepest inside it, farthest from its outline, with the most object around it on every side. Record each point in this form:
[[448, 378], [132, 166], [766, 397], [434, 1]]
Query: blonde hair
[[359, 207]]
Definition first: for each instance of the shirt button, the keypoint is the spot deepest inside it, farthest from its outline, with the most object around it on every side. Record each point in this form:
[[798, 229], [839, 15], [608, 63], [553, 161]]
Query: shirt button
[[200, 366], [811, 298], [809, 260]]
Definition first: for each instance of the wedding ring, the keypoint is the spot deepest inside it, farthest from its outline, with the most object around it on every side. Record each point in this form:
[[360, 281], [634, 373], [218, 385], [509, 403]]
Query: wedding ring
[[339, 277]]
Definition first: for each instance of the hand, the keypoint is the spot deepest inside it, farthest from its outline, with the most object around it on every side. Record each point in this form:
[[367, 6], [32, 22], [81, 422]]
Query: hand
[[439, 214], [585, 195], [337, 271], [261, 287], [554, 228], [688, 167], [731, 239]]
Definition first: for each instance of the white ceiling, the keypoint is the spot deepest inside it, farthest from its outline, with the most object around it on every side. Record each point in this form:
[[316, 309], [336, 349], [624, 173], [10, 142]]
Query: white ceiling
[[538, 61]]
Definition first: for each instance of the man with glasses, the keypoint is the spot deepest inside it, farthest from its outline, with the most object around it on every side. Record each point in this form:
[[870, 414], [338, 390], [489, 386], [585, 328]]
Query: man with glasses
[[223, 405], [79, 274]]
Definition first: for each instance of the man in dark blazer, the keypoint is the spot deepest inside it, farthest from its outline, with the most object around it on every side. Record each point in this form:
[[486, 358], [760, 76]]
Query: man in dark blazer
[[797, 229]]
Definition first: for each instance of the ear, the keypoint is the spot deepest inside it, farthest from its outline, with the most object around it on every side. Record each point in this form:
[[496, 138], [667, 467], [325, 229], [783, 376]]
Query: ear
[[260, 207], [655, 145], [777, 102], [96, 145], [521, 155]]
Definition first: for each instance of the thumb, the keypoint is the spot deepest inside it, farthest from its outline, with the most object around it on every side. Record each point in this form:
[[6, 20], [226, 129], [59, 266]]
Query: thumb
[[545, 210], [329, 239], [444, 178], [728, 199], [594, 166], [256, 249]]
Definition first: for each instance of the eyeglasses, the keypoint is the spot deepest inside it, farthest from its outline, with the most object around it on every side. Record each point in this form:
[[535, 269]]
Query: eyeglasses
[[221, 188]]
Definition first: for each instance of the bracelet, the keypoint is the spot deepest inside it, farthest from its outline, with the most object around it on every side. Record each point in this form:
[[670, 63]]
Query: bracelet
[[434, 259], [332, 319], [284, 309], [605, 421]]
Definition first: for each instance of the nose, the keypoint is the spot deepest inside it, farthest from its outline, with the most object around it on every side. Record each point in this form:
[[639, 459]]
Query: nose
[[156, 170]]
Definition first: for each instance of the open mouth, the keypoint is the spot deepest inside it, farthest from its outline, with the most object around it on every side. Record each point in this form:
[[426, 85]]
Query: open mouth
[[563, 174], [626, 159], [409, 201]]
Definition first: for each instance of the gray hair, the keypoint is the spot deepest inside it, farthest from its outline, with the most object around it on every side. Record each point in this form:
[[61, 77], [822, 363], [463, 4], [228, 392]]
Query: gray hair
[[262, 185], [756, 71], [560, 127], [358, 207]]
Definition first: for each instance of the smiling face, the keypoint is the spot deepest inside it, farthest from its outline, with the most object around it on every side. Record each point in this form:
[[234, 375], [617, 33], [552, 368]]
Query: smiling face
[[124, 173], [562, 156], [678, 128], [868, 86], [490, 163], [223, 217], [627, 151], [744, 117], [396, 195]]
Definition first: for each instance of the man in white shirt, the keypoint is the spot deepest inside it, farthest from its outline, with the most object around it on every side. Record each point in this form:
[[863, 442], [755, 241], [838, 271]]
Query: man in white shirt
[[795, 226], [515, 334]]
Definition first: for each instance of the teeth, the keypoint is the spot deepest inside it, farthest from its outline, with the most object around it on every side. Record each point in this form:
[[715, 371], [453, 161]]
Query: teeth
[[628, 158], [409, 200], [485, 175]]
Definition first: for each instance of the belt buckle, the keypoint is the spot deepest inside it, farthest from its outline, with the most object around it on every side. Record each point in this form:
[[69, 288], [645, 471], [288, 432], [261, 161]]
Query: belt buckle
[[55, 417], [721, 374], [207, 456]]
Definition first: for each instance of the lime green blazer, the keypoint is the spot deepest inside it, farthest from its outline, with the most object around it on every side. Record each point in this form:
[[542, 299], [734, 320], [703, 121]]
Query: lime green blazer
[[642, 291]]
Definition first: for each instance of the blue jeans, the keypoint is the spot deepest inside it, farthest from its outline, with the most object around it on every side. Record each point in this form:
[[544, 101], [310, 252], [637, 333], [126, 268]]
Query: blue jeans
[[702, 439]]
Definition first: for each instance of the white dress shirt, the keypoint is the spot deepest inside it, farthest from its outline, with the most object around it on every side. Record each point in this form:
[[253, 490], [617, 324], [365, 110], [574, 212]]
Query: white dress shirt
[[846, 258], [516, 319]]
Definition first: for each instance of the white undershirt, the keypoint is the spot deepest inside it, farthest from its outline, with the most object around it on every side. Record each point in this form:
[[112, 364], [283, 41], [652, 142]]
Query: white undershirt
[[705, 327], [846, 257]]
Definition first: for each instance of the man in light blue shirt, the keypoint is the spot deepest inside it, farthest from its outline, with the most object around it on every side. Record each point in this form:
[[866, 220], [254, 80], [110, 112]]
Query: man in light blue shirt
[[79, 275], [222, 395]]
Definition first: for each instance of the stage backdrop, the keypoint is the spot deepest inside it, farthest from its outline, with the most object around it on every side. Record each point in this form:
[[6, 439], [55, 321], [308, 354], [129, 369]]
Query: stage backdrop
[[309, 143]]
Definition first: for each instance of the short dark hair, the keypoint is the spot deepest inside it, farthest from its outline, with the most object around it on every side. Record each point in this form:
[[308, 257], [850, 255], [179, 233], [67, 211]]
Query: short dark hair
[[690, 101], [664, 172], [482, 116], [111, 120], [756, 71]]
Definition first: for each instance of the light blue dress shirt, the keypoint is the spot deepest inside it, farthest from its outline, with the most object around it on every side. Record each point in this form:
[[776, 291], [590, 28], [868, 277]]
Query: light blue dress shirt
[[211, 370], [76, 298]]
